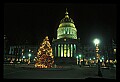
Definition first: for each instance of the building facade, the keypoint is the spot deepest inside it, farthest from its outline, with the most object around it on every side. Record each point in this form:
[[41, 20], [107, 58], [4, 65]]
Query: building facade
[[20, 54]]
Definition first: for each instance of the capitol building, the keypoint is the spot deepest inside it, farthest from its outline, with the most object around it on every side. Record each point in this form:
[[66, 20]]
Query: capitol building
[[66, 48]]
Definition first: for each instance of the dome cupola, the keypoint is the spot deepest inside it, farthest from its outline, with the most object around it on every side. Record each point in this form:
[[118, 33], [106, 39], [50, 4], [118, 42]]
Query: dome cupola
[[66, 19], [66, 28]]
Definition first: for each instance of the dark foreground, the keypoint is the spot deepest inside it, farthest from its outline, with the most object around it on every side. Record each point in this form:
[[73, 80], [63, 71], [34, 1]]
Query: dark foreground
[[69, 72]]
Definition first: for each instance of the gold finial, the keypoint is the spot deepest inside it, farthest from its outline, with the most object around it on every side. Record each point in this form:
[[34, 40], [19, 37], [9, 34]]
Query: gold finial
[[66, 13]]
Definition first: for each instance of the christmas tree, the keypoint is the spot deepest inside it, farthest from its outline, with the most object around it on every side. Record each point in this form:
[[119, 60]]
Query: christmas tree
[[44, 57]]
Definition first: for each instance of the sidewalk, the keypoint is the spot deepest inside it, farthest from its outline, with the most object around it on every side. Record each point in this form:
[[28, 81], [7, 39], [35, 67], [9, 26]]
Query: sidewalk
[[67, 72]]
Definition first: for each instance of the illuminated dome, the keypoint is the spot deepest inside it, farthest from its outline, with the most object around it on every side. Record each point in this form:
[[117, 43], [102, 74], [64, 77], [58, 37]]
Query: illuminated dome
[[67, 28]]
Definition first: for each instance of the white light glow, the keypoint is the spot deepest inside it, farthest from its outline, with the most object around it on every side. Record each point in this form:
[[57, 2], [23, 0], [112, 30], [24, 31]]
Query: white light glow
[[96, 41], [29, 55]]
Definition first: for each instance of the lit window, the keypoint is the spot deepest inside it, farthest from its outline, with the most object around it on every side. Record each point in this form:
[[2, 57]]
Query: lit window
[[64, 39], [114, 50], [22, 50]]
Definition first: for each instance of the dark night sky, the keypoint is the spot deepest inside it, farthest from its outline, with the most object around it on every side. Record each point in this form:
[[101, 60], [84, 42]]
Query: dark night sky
[[34, 21]]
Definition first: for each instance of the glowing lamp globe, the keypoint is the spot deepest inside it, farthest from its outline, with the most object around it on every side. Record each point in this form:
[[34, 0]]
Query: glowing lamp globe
[[96, 41]]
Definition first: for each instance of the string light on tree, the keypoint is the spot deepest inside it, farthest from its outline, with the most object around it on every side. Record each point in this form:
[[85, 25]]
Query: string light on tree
[[45, 58]]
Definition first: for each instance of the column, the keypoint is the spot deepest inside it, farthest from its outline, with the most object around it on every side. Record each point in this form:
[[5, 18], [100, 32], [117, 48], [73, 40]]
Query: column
[[63, 50], [70, 49], [58, 50], [55, 51]]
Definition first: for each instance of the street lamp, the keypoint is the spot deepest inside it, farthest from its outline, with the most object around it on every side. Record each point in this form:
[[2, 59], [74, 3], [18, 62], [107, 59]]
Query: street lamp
[[23, 58], [78, 59], [96, 42], [29, 58], [80, 55]]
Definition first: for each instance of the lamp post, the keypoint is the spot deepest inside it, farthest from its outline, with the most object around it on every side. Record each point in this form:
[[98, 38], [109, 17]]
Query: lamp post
[[29, 58], [77, 59], [96, 42], [103, 64], [80, 60]]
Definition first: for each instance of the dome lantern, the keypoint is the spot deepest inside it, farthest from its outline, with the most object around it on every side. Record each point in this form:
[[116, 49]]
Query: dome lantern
[[66, 14], [66, 19]]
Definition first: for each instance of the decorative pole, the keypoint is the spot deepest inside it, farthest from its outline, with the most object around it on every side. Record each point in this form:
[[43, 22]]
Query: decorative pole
[[96, 41]]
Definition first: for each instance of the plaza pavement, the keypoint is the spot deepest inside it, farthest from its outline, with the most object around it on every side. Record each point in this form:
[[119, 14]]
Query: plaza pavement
[[67, 72]]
